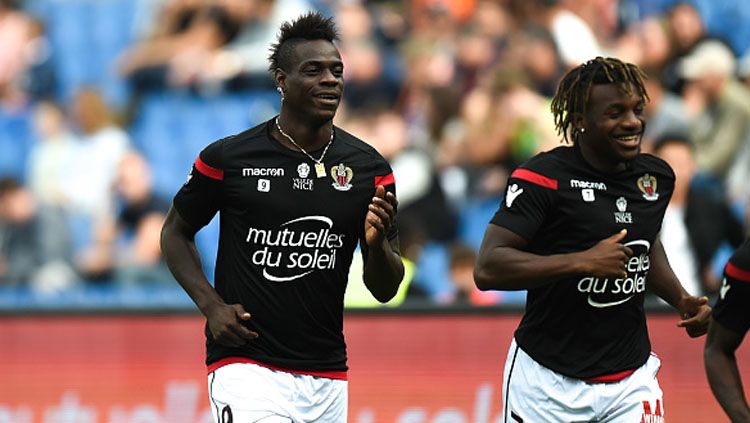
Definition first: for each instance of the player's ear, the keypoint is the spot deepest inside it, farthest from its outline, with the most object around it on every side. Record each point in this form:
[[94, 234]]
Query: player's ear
[[578, 122], [279, 76]]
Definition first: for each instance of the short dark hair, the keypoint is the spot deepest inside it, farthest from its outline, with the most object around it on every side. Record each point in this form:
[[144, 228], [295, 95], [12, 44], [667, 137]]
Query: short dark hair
[[308, 27], [675, 137], [8, 185], [573, 90]]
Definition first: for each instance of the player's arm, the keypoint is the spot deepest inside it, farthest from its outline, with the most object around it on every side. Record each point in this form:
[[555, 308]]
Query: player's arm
[[383, 266], [721, 369], [182, 258], [502, 264], [662, 281]]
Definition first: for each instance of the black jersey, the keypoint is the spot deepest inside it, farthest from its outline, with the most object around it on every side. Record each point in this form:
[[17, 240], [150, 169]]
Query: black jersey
[[732, 308], [286, 239], [584, 326]]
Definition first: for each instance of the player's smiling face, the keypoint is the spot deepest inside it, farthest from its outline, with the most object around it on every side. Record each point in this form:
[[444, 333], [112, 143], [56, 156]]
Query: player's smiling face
[[613, 124], [315, 83]]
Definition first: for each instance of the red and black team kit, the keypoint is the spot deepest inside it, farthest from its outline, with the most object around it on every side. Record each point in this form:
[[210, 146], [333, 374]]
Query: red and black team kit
[[731, 309], [288, 229], [583, 326]]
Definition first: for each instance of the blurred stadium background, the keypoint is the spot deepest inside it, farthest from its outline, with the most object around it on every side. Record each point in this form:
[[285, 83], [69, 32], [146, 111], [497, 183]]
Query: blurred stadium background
[[104, 105]]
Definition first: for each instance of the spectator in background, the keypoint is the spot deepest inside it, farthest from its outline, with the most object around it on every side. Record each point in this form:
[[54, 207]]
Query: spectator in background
[[34, 242], [186, 36], [475, 53], [14, 33], [536, 53], [101, 148], [237, 63], [422, 204], [653, 45], [666, 112], [427, 220], [685, 28], [721, 105], [505, 123], [50, 158], [39, 79], [574, 38], [217, 47], [368, 84], [126, 248], [461, 267], [697, 221]]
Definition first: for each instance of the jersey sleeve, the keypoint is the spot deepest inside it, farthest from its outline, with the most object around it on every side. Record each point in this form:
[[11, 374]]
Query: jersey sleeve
[[529, 198], [384, 176], [201, 196], [731, 309]]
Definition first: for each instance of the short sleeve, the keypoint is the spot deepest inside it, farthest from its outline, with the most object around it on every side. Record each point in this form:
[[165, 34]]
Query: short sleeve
[[732, 308], [385, 178], [200, 198], [529, 197]]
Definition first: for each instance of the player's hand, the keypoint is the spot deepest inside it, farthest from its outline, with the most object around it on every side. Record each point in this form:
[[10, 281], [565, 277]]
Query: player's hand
[[380, 216], [696, 314], [608, 258], [226, 325]]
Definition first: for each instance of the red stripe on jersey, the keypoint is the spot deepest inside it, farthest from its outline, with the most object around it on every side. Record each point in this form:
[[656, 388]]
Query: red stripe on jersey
[[534, 178], [209, 171], [612, 377], [329, 374], [385, 180], [737, 272]]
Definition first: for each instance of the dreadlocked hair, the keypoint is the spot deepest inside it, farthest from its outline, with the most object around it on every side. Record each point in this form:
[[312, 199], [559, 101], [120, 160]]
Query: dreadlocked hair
[[574, 88], [308, 27]]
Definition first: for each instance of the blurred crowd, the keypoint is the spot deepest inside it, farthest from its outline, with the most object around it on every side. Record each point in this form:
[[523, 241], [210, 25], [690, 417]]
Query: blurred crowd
[[455, 93]]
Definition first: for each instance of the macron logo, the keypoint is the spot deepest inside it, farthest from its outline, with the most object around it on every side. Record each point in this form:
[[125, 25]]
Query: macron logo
[[263, 171], [512, 194]]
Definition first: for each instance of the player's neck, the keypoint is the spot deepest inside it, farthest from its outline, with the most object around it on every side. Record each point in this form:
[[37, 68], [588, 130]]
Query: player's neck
[[599, 162], [308, 135]]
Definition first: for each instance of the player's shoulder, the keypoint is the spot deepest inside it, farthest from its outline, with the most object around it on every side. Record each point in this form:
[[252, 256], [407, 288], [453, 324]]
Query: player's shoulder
[[551, 159], [217, 154], [741, 257], [553, 164], [651, 164]]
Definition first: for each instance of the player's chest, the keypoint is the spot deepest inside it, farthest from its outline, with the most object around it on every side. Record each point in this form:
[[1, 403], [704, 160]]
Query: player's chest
[[635, 203], [283, 190]]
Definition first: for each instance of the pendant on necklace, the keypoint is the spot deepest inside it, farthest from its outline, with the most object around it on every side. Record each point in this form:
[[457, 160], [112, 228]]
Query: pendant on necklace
[[320, 170]]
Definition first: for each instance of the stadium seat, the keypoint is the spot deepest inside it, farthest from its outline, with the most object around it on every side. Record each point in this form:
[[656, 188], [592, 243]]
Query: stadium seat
[[15, 143]]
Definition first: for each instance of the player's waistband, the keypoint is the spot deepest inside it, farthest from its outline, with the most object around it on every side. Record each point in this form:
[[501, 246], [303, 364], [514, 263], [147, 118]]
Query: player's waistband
[[614, 377], [330, 374], [610, 378]]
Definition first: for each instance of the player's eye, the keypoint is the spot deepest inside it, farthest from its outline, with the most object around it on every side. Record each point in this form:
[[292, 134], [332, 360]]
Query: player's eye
[[613, 114], [311, 70]]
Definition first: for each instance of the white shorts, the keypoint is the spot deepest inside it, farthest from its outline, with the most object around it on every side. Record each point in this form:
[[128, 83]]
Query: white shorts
[[533, 393], [245, 393]]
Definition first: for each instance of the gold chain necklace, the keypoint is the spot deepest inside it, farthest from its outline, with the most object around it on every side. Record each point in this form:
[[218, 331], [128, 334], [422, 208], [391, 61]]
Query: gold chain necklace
[[320, 168]]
